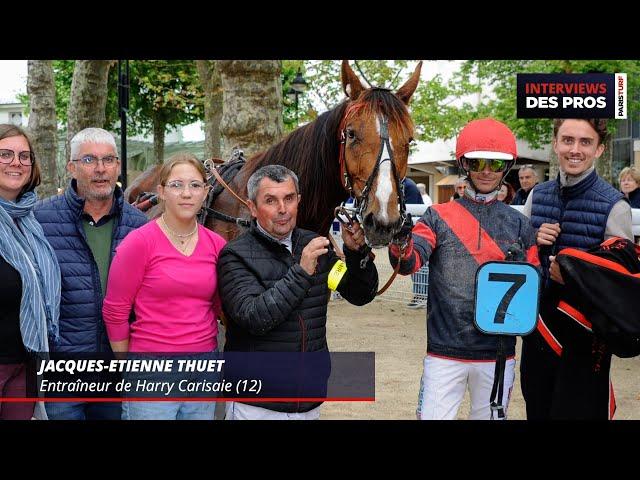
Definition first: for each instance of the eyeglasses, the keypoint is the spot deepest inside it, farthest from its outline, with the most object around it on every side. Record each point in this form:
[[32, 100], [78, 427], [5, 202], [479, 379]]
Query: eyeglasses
[[92, 160], [176, 186], [26, 158], [479, 164]]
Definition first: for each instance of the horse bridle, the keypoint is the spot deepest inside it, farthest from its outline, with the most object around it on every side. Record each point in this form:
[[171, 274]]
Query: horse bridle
[[344, 215], [361, 202]]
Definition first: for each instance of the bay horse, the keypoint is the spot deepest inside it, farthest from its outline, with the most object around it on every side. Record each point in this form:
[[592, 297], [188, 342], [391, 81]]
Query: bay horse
[[360, 148]]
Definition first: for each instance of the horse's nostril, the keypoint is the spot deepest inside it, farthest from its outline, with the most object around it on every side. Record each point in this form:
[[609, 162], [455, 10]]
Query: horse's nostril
[[369, 220]]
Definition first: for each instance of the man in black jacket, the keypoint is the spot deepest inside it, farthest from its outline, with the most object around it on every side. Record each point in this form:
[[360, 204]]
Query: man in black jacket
[[273, 284], [528, 178]]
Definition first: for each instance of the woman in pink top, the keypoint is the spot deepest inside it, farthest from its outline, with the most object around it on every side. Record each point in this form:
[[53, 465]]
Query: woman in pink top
[[166, 271]]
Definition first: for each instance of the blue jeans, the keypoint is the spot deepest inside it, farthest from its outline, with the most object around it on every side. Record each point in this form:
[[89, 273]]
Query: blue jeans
[[83, 410], [167, 410]]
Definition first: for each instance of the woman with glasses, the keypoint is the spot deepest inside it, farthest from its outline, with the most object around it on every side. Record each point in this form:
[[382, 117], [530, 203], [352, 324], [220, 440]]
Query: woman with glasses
[[29, 274], [166, 271], [459, 187]]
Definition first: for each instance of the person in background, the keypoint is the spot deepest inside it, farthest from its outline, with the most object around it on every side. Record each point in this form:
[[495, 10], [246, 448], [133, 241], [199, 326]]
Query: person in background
[[506, 193], [426, 199], [84, 225], [29, 274], [629, 180], [528, 178], [411, 192], [459, 187]]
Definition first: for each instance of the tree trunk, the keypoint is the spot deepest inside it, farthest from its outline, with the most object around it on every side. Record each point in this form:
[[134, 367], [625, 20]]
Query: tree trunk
[[211, 84], [252, 105], [88, 97], [604, 164], [42, 122], [554, 166], [159, 126]]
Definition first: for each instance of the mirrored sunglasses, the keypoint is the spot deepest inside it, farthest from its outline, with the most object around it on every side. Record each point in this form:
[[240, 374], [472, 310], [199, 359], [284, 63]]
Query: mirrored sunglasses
[[479, 164]]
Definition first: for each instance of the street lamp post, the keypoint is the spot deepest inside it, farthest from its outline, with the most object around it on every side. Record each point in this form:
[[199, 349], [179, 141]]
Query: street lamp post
[[123, 108], [298, 87]]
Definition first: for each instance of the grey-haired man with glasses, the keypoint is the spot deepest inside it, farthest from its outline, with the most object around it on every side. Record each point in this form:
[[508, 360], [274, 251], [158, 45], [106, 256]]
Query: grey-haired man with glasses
[[528, 178], [84, 225]]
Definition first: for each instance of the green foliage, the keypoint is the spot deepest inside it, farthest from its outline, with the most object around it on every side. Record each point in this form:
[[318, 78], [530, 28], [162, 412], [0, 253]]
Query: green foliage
[[305, 111], [478, 89], [24, 99], [431, 107], [63, 77], [168, 91], [501, 76], [324, 86]]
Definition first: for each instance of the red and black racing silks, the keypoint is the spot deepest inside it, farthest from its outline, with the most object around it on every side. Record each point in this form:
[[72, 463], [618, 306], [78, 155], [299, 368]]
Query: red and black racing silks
[[602, 287]]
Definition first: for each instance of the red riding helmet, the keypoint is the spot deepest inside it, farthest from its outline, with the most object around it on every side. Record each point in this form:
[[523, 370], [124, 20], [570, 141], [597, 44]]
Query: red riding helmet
[[486, 138]]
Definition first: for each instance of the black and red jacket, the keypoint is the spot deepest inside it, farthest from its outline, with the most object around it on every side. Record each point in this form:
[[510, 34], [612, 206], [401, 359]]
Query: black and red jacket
[[456, 238], [593, 315], [602, 292]]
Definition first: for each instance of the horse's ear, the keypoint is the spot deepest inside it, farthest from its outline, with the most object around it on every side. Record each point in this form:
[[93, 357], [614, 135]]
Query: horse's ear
[[405, 92], [350, 82]]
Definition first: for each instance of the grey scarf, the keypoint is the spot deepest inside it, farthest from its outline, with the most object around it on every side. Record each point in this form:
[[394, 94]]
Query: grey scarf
[[24, 246]]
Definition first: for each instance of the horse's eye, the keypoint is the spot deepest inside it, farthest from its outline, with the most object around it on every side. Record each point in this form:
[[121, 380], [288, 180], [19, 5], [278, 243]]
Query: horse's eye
[[351, 133]]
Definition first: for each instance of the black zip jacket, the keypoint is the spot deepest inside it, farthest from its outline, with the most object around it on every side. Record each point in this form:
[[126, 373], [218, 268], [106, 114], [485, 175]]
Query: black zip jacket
[[272, 305]]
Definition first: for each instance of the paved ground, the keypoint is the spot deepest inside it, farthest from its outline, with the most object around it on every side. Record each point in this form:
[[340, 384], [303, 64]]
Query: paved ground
[[398, 337]]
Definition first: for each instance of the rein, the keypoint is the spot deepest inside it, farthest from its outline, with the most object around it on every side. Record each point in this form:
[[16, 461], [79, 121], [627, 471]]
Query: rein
[[224, 184]]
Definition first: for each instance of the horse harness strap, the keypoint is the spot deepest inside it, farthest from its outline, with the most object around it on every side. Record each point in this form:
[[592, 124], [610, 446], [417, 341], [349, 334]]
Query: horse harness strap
[[218, 183], [242, 222], [224, 184]]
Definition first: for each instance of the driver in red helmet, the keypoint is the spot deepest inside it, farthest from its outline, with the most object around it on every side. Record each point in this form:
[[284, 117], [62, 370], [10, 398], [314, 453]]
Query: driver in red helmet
[[456, 238]]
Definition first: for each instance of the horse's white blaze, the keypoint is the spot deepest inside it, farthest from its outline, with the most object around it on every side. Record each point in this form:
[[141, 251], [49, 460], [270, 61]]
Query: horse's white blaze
[[384, 189]]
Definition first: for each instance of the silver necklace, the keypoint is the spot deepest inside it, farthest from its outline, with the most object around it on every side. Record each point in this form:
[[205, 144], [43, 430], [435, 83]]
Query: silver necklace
[[184, 244], [176, 234]]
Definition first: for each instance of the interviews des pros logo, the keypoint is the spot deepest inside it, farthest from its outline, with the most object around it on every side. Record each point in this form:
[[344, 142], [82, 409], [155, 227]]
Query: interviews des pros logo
[[588, 95]]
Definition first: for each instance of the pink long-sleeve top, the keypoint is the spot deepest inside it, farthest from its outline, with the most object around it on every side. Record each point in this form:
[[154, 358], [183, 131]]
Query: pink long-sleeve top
[[175, 297]]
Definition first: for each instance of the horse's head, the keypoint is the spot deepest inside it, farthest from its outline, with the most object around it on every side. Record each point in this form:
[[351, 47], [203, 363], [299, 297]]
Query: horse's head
[[376, 131]]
